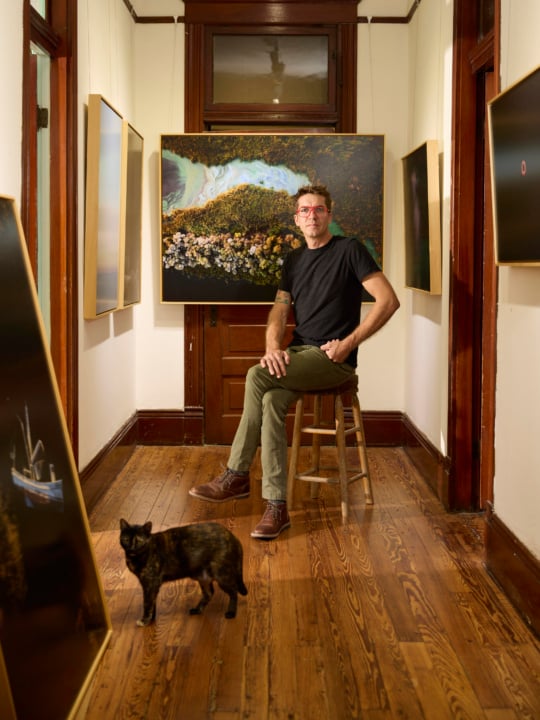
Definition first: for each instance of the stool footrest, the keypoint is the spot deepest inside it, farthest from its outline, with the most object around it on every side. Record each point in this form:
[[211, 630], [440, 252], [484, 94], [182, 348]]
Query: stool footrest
[[310, 477], [319, 430]]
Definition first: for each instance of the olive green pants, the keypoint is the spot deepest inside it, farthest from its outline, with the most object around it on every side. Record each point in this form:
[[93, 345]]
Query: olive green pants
[[266, 402]]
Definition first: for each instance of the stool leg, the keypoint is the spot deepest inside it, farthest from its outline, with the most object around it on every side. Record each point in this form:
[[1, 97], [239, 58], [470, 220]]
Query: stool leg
[[341, 457], [361, 446], [316, 447], [295, 449]]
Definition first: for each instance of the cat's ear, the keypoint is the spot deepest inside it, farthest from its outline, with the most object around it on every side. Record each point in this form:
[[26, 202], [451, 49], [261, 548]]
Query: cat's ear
[[123, 524], [147, 527]]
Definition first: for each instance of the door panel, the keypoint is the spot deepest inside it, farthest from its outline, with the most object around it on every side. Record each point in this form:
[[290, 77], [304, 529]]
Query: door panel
[[234, 340]]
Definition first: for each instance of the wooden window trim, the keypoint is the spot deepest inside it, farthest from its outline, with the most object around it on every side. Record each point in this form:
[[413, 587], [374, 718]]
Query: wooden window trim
[[57, 36]]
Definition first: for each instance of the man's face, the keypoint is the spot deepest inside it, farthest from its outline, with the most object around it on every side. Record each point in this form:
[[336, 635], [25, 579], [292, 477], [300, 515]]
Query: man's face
[[312, 216]]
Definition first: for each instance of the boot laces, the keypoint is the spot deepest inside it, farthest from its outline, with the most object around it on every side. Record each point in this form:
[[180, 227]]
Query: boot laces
[[273, 510]]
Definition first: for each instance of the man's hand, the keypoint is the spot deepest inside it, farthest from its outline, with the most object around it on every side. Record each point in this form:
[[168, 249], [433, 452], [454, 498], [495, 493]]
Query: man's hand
[[336, 350], [276, 361]]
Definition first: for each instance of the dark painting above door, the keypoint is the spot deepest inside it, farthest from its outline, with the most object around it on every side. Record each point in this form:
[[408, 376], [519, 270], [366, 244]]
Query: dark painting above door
[[227, 214]]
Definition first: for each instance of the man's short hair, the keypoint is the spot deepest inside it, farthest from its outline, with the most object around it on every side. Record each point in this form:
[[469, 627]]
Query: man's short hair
[[315, 190]]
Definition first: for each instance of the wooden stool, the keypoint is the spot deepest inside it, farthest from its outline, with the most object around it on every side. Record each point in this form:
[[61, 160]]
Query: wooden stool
[[339, 429]]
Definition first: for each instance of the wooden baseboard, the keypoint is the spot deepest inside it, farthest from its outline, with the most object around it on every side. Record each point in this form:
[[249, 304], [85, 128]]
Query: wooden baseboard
[[186, 427], [429, 461], [145, 427], [514, 568], [102, 470], [383, 428], [171, 427]]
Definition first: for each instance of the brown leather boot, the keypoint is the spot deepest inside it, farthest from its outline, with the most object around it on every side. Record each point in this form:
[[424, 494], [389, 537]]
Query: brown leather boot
[[275, 520], [227, 486]]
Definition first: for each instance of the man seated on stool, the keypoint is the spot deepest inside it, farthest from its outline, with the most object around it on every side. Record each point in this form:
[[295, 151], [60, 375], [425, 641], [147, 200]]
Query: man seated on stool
[[323, 280]]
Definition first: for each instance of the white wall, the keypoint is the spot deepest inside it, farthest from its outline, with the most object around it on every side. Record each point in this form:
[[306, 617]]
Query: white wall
[[383, 109], [11, 14], [404, 91], [159, 101], [517, 425], [107, 346], [131, 359], [430, 92]]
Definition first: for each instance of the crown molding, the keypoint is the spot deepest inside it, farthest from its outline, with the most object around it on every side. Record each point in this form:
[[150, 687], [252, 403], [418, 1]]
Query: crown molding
[[361, 19]]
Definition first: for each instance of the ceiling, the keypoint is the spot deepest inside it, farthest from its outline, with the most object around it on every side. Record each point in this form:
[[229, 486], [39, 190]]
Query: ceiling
[[381, 8]]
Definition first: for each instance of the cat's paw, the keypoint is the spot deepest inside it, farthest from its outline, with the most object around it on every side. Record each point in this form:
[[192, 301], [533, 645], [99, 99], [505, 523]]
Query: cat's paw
[[195, 611], [230, 614], [144, 622]]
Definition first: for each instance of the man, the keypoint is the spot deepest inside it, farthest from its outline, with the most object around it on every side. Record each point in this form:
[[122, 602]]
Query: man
[[322, 279]]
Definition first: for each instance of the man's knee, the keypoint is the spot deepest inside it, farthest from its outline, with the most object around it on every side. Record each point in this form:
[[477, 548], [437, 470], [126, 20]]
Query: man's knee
[[255, 372]]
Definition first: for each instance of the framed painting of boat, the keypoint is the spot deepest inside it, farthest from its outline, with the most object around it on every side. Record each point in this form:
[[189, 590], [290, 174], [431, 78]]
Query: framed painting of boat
[[54, 623]]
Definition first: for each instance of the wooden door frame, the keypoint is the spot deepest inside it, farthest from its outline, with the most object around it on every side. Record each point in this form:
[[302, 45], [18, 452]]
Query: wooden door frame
[[471, 456], [59, 37]]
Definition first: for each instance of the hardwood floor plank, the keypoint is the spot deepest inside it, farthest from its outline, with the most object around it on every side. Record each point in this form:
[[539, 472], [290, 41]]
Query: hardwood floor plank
[[255, 695], [421, 671], [402, 698]]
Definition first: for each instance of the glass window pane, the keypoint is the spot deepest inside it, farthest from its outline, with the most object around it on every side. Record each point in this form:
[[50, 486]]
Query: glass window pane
[[43, 189], [487, 17], [40, 6], [266, 69]]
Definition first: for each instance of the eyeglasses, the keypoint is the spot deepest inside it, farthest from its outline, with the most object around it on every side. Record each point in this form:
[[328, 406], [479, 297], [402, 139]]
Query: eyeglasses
[[306, 210]]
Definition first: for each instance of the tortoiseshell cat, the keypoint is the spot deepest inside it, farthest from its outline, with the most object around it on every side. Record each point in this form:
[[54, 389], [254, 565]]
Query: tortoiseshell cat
[[203, 551]]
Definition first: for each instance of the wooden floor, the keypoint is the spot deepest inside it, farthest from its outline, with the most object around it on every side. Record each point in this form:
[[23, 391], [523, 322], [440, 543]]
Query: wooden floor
[[392, 616]]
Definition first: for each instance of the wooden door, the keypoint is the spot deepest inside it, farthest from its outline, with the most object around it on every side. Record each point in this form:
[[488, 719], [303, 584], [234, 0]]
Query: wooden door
[[234, 340]]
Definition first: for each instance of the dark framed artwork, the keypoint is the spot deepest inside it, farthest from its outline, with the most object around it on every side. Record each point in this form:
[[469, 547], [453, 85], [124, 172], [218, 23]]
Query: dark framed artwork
[[514, 129], [422, 219], [227, 214], [54, 625], [293, 69], [104, 208], [131, 236]]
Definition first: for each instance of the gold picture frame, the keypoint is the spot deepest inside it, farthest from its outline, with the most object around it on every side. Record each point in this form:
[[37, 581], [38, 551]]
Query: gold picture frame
[[131, 233], [422, 217], [105, 193]]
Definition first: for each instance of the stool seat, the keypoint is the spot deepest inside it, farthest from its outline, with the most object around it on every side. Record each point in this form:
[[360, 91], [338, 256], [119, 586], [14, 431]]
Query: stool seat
[[338, 428]]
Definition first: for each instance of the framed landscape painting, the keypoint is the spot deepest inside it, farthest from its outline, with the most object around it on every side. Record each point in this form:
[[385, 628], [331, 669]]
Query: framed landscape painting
[[104, 208], [130, 259], [227, 209], [54, 625]]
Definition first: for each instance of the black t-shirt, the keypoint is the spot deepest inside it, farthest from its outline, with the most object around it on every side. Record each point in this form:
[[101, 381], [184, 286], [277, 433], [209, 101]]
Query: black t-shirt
[[325, 286]]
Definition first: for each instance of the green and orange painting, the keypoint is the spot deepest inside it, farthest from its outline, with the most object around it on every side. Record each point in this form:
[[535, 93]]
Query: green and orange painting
[[227, 208]]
